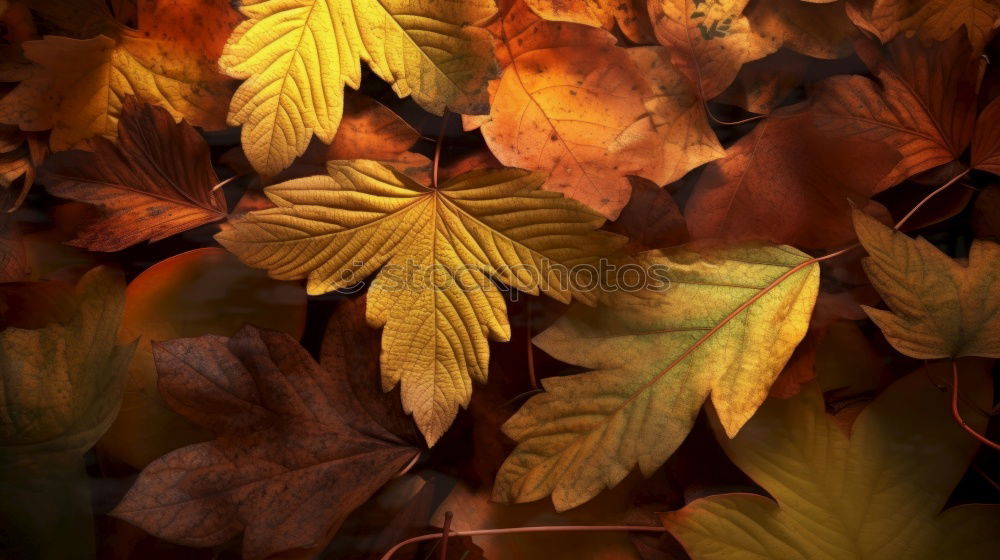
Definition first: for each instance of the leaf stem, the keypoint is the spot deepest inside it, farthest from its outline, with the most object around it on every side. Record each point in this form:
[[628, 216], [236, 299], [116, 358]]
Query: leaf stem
[[950, 182], [531, 354], [902, 221], [731, 123], [437, 149], [513, 530], [444, 535], [958, 416]]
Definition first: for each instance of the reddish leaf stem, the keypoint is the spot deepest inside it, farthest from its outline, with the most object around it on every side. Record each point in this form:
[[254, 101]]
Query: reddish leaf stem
[[950, 182], [513, 530], [444, 535], [958, 416], [531, 354]]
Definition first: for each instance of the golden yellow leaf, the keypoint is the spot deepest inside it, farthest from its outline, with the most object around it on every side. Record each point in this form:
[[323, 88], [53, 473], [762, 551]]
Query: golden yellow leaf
[[935, 20], [62, 384], [875, 494], [76, 86], [708, 41], [297, 56], [723, 324], [939, 308], [439, 250]]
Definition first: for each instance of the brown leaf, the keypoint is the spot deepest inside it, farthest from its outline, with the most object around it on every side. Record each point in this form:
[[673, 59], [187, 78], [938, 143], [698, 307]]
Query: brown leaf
[[817, 29], [203, 291], [156, 182], [924, 105], [350, 346], [787, 182], [986, 213], [763, 84], [934, 20], [986, 142], [294, 452], [650, 220]]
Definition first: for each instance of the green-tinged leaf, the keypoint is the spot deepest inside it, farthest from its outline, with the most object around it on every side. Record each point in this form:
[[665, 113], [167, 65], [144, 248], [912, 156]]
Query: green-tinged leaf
[[875, 494], [724, 324], [940, 308]]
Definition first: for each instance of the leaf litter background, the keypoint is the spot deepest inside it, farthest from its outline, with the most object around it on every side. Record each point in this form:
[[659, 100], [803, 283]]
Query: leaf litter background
[[286, 445]]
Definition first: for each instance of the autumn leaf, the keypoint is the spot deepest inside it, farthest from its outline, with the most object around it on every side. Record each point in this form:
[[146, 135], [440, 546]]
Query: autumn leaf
[[62, 383], [723, 325], [441, 249], [788, 182], [877, 493], [939, 307], [77, 87], [629, 15], [923, 106], [934, 20], [199, 292], [296, 58], [294, 452], [819, 29], [986, 140], [157, 180], [708, 41], [588, 113], [651, 219]]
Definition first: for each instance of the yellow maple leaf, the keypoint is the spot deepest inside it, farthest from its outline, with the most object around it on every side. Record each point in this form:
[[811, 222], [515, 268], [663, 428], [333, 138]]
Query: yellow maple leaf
[[439, 250], [297, 56], [725, 325], [939, 308], [76, 86], [875, 494]]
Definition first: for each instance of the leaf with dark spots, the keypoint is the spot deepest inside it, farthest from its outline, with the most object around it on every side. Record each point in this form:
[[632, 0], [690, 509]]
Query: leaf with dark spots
[[294, 452]]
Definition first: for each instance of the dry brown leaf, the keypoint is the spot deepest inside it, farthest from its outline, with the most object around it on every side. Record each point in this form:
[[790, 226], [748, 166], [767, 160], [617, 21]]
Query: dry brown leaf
[[157, 180], [934, 20], [924, 105], [816, 29], [294, 451]]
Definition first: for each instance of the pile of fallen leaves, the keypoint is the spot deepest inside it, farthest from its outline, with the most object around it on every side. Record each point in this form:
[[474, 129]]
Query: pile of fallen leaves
[[458, 279]]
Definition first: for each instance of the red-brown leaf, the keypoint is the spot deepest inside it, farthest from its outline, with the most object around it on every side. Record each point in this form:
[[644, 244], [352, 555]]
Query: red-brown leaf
[[155, 182], [924, 106], [295, 451]]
